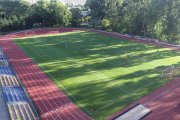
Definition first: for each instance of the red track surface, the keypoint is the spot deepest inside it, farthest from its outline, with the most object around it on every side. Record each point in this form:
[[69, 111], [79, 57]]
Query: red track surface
[[163, 102], [51, 102]]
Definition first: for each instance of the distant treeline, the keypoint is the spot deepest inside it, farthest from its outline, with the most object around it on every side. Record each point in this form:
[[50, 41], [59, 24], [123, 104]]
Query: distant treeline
[[152, 18], [19, 15]]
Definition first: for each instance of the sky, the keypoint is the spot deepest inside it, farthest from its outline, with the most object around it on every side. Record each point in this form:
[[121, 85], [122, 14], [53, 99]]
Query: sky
[[81, 2]]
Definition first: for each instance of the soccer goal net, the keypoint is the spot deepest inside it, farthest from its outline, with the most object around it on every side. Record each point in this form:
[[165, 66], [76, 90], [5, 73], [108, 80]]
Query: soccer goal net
[[168, 72]]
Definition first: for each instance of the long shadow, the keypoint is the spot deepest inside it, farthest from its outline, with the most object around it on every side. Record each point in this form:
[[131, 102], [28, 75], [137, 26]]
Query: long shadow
[[84, 68], [78, 54]]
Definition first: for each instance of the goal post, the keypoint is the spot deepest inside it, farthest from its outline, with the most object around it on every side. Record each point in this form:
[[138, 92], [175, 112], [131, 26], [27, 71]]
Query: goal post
[[168, 72]]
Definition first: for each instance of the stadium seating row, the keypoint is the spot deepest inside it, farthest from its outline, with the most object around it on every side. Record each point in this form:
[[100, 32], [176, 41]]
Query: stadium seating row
[[50, 101], [14, 94], [17, 101], [9, 80], [23, 110]]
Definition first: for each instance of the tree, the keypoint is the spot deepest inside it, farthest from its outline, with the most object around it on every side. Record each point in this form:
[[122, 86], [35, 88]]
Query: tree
[[13, 14], [53, 13], [76, 16], [152, 18]]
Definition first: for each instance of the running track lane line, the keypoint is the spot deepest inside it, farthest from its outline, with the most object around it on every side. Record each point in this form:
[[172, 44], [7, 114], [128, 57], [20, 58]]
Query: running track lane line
[[160, 96], [62, 111]]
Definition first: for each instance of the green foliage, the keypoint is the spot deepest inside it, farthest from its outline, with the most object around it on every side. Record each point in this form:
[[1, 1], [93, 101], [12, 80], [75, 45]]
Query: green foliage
[[106, 24], [76, 17], [18, 15], [13, 14], [152, 18]]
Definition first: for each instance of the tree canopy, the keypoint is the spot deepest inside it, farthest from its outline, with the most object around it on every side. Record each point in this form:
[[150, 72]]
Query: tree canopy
[[18, 15], [152, 18]]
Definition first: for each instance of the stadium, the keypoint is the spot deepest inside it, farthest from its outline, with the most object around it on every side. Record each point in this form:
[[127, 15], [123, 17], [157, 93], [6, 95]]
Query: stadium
[[84, 73]]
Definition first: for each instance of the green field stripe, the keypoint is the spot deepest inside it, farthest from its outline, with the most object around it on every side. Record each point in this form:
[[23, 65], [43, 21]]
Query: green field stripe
[[100, 74]]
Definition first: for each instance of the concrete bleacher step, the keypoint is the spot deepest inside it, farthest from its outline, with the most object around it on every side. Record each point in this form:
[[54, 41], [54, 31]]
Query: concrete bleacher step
[[15, 98], [14, 94], [21, 111], [9, 80]]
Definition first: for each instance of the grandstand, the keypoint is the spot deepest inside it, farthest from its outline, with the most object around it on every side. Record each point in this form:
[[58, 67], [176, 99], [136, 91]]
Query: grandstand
[[16, 100], [55, 103]]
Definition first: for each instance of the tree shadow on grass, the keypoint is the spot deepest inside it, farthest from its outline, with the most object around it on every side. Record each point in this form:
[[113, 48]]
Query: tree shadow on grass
[[78, 69], [82, 56], [100, 94]]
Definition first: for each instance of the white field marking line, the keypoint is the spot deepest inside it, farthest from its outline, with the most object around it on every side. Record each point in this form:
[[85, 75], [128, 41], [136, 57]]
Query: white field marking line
[[12, 55], [120, 88], [58, 99], [114, 101], [164, 92], [63, 86], [68, 93], [75, 111], [103, 76], [56, 81], [27, 78], [78, 114], [126, 70], [41, 94], [137, 38], [18, 98], [110, 82], [146, 81], [100, 76], [30, 103], [126, 91], [102, 108]]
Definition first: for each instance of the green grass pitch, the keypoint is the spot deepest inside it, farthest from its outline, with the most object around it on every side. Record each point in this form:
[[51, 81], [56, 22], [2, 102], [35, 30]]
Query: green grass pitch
[[100, 74]]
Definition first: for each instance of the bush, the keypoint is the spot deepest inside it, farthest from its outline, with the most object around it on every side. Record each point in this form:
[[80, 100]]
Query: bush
[[105, 24]]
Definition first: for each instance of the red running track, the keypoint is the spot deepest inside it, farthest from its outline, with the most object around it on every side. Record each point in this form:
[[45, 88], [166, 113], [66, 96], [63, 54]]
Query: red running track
[[50, 101], [53, 104], [163, 102]]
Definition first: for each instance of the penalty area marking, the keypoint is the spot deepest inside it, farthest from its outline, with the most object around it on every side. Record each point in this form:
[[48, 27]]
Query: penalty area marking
[[138, 112]]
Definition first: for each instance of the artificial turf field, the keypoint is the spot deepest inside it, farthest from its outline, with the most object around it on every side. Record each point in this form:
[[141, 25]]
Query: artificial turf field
[[100, 74]]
